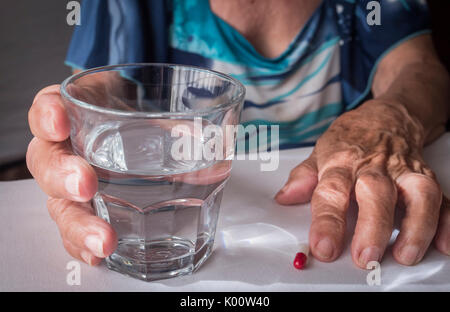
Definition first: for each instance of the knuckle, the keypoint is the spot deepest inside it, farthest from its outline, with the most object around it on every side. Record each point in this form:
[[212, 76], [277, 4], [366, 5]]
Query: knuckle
[[66, 218], [71, 230], [51, 207], [30, 155], [67, 247], [338, 179], [337, 175], [71, 249], [429, 173], [426, 180], [47, 117], [31, 115], [396, 164], [424, 185], [46, 178], [375, 183], [308, 164], [46, 105], [52, 89], [343, 159], [329, 194], [53, 162], [60, 212], [305, 167], [421, 188], [381, 220], [59, 158], [334, 219], [416, 165], [371, 177]]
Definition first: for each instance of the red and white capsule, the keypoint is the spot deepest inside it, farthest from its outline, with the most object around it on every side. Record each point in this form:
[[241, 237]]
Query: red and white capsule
[[301, 258]]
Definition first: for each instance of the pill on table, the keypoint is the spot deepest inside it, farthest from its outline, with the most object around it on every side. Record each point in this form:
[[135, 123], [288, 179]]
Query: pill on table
[[301, 257]]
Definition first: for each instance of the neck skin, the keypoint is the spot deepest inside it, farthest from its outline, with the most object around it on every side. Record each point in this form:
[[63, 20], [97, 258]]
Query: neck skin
[[269, 25]]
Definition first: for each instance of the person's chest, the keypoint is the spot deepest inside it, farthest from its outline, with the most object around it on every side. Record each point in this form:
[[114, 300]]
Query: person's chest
[[269, 25], [298, 89]]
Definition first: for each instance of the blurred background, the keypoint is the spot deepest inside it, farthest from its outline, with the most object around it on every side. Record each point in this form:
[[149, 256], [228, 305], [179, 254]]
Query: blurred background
[[34, 37]]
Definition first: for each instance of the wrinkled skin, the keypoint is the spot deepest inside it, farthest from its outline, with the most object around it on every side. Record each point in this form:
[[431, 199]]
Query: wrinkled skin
[[372, 153], [380, 163]]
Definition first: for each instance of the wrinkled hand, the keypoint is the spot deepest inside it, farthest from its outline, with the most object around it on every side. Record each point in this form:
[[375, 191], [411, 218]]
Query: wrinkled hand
[[71, 182], [374, 154]]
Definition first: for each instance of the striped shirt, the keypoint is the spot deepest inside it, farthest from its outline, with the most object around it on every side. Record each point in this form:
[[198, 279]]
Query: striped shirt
[[326, 70]]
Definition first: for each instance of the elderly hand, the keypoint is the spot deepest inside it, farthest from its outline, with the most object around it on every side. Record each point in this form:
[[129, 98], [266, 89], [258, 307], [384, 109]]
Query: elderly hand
[[373, 152], [71, 182]]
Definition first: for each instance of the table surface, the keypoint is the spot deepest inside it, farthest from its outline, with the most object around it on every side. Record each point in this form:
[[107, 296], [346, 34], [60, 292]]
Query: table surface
[[256, 241]]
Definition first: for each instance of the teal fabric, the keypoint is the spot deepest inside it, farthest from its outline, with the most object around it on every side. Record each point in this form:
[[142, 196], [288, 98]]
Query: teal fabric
[[327, 69]]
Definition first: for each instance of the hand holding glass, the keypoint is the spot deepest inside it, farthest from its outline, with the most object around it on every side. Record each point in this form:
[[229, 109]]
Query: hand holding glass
[[164, 209]]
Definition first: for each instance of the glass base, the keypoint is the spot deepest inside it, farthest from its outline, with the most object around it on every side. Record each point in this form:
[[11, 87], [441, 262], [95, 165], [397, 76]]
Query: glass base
[[155, 260]]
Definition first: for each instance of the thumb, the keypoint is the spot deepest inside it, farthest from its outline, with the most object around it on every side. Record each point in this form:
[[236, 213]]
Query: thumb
[[300, 185]]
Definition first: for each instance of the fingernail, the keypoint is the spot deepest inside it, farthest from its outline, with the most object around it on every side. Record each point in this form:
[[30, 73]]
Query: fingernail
[[87, 257], [95, 244], [72, 184], [282, 191], [409, 254], [324, 249], [369, 254]]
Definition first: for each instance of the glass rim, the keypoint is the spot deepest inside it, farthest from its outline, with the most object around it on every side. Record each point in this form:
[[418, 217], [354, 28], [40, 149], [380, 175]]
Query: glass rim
[[139, 114]]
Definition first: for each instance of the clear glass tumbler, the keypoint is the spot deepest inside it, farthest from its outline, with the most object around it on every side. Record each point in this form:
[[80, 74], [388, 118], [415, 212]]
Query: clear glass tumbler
[[149, 131]]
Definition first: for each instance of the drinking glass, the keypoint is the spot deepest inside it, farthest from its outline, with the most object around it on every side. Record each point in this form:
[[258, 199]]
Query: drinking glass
[[146, 129]]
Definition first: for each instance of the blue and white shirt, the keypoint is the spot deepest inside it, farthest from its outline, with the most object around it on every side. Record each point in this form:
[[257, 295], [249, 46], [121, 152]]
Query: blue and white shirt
[[326, 70]]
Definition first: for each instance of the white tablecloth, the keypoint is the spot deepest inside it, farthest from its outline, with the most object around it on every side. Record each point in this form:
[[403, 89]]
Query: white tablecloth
[[256, 241]]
